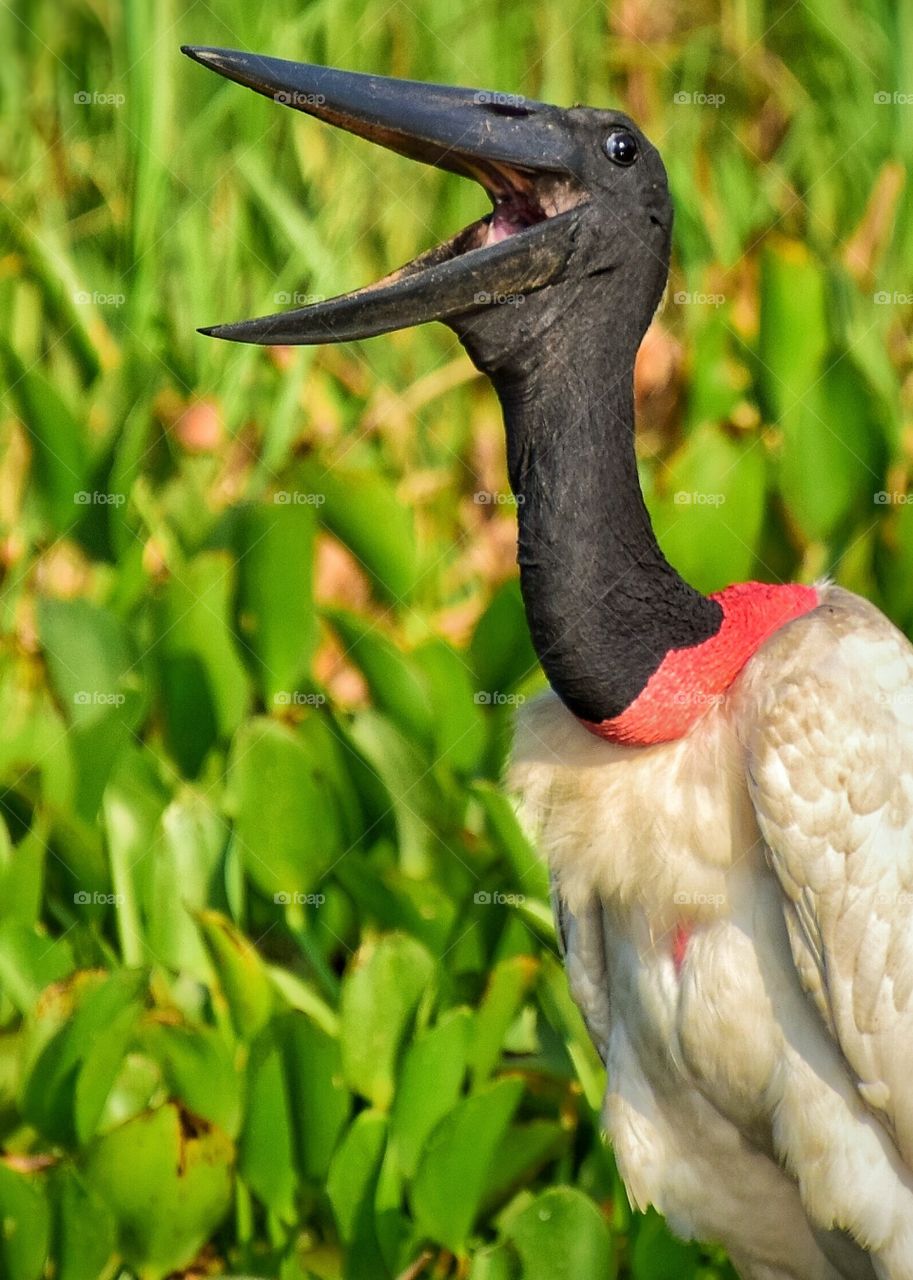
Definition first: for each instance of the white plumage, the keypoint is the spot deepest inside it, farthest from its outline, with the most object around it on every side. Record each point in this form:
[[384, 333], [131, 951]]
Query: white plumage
[[760, 1080]]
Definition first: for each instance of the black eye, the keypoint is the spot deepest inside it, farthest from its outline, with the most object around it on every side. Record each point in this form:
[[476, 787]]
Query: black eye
[[621, 147]]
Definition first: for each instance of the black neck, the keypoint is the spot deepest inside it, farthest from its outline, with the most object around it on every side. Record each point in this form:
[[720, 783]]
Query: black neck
[[603, 604]]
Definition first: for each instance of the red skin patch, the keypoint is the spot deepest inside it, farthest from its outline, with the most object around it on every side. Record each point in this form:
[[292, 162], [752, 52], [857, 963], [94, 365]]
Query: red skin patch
[[688, 682], [680, 935]]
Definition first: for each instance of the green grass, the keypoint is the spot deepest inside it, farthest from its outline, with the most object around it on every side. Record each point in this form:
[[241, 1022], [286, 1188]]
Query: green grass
[[254, 966]]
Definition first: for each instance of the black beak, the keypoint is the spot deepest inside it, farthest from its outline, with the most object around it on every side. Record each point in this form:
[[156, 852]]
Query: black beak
[[517, 149]]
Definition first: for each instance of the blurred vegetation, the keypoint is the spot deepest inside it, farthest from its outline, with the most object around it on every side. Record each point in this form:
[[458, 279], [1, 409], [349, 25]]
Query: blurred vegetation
[[280, 994]]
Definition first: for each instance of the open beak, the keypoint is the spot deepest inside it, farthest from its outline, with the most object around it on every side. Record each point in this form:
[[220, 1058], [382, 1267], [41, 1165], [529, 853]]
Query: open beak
[[517, 149]]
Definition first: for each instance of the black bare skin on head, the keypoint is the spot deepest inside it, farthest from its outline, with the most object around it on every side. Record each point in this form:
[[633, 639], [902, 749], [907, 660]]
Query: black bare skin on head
[[551, 295], [603, 604]]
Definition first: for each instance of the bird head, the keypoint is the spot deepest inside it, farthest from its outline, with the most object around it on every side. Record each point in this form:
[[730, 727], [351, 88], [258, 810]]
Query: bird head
[[580, 210]]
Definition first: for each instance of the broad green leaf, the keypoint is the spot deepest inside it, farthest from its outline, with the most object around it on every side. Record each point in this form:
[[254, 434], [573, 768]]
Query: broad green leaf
[[459, 726], [200, 1069], [203, 683], [561, 1235], [501, 650], [24, 1225], [793, 334], [286, 821], [319, 1101], [72, 1076], [276, 616], [658, 1254], [429, 1085], [508, 986], [499, 1262], [83, 1229], [165, 1159], [241, 973], [448, 1188], [351, 1187], [709, 521], [265, 1155], [30, 961], [397, 682], [362, 510], [379, 998], [186, 868], [527, 1148]]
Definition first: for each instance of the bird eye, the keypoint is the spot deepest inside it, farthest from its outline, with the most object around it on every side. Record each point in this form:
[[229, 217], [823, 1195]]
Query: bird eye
[[621, 147]]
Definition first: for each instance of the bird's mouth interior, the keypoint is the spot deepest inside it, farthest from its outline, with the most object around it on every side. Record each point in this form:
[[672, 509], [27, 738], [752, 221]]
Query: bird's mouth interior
[[520, 200], [517, 151]]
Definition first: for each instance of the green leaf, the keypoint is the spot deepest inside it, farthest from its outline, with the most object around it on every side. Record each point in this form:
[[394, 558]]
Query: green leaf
[[319, 1101], [69, 1082], [24, 1225], [362, 509], [379, 997], [352, 1187], [447, 1192], [265, 1156], [286, 823], [561, 1235], [200, 1070], [185, 873], [203, 683], [83, 1228], [501, 650], [657, 1254], [165, 1160], [395, 680], [429, 1085], [709, 522], [30, 961], [241, 973], [276, 614], [459, 724], [508, 986]]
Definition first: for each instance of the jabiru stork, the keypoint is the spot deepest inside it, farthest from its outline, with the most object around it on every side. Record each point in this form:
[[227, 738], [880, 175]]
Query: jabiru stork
[[722, 784]]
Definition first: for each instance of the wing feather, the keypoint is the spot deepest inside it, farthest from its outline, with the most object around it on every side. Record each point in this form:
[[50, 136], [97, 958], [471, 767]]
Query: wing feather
[[827, 707]]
